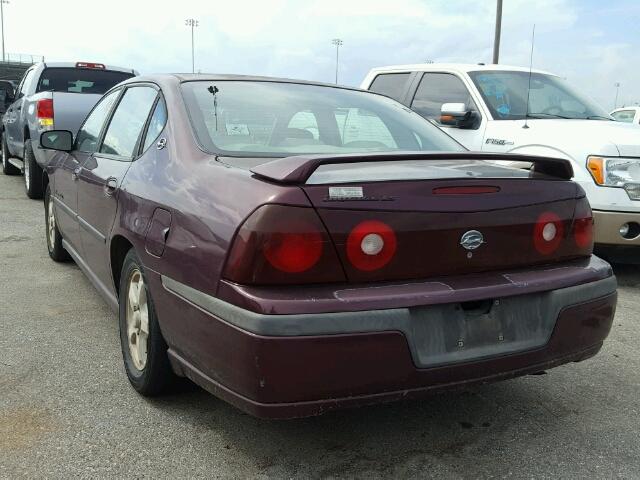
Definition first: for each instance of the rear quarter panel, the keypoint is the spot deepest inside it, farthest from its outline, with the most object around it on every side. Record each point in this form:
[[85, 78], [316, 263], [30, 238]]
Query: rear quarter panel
[[207, 202]]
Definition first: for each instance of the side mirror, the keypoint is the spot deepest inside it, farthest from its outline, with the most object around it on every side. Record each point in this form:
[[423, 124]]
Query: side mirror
[[457, 115], [57, 140]]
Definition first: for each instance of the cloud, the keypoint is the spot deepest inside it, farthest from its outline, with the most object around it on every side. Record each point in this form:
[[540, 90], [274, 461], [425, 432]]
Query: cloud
[[293, 38]]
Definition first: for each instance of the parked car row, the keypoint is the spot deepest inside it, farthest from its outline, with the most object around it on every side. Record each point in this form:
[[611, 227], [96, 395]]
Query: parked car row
[[295, 247]]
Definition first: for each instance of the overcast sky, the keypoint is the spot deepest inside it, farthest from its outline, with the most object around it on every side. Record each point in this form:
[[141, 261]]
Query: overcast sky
[[594, 44]]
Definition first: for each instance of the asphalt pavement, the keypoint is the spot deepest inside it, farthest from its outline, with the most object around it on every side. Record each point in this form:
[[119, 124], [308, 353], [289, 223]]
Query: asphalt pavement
[[67, 410]]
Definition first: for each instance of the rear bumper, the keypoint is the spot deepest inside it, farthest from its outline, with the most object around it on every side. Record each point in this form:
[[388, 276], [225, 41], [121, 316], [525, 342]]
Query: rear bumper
[[283, 366]]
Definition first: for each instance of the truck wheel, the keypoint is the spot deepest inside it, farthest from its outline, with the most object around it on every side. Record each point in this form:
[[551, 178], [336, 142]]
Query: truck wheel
[[54, 238], [32, 173], [143, 348], [7, 168]]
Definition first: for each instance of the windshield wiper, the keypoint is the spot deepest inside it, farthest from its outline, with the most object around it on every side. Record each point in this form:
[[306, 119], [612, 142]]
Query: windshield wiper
[[599, 117], [547, 115]]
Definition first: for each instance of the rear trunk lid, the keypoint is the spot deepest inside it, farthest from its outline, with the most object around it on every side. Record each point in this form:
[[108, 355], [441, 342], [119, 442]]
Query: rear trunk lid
[[443, 217]]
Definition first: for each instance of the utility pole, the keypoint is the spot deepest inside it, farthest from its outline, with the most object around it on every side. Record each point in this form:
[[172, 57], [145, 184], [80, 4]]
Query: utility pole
[[2, 2], [193, 23], [617, 85], [338, 43], [496, 39]]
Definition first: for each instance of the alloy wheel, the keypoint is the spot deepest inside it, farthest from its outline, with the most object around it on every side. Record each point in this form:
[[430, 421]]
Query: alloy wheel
[[51, 225], [137, 319]]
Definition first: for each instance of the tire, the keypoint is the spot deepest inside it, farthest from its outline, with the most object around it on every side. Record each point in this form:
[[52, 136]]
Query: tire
[[32, 173], [148, 370], [7, 168], [53, 236]]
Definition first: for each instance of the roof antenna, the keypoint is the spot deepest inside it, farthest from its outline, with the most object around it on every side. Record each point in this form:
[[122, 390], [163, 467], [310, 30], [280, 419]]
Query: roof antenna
[[526, 114]]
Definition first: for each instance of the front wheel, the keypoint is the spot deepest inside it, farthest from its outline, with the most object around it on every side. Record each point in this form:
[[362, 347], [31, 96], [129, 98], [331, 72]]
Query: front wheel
[[143, 348], [32, 172], [54, 238], [7, 168]]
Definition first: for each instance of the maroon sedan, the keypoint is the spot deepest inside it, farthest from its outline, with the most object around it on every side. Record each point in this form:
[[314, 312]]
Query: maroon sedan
[[294, 247]]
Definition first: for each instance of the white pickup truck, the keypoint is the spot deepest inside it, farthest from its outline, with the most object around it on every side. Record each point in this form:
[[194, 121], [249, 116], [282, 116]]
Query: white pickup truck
[[484, 107]]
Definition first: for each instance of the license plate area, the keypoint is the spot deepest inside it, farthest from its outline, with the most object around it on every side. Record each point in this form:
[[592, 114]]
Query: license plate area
[[454, 333]]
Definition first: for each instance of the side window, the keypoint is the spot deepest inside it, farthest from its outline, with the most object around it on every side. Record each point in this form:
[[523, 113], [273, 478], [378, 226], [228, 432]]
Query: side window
[[24, 85], [390, 84], [89, 134], [436, 89], [305, 125], [128, 121], [156, 124], [360, 128]]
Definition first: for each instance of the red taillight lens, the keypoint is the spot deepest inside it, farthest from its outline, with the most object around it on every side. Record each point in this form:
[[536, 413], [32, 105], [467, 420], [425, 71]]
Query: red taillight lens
[[44, 108], [548, 233], [294, 252], [371, 245], [278, 244], [583, 225]]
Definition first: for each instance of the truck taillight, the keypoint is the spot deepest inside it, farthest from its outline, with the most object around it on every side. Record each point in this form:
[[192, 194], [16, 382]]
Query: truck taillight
[[280, 244], [98, 66], [44, 112]]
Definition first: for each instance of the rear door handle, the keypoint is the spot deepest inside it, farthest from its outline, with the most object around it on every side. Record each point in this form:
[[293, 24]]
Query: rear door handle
[[111, 185]]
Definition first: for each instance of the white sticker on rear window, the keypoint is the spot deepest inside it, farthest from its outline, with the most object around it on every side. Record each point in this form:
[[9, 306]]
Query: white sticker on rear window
[[237, 129], [345, 192]]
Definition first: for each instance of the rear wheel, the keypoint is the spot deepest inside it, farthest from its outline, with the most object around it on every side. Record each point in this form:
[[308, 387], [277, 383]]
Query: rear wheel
[[54, 238], [143, 348], [32, 172], [7, 168]]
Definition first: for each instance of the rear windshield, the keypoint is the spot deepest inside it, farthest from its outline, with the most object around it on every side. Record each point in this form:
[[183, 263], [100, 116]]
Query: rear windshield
[[275, 119], [79, 80]]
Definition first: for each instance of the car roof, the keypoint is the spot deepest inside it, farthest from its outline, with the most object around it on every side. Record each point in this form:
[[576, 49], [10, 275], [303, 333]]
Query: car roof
[[112, 68], [212, 77], [457, 67]]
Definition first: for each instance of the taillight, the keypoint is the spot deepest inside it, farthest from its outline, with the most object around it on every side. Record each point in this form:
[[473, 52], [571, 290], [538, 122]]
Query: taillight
[[371, 245], [98, 66], [548, 233], [279, 244], [583, 225], [44, 112]]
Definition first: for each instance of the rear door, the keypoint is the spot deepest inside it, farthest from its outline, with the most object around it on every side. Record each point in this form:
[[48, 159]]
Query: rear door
[[16, 112], [68, 169], [394, 85], [102, 174]]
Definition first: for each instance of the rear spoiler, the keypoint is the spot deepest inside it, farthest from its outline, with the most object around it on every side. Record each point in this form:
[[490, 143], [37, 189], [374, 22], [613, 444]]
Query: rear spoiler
[[298, 169]]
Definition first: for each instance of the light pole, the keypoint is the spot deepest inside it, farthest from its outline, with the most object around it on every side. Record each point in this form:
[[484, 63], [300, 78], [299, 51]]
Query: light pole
[[338, 43], [617, 85], [193, 23], [2, 2], [496, 38]]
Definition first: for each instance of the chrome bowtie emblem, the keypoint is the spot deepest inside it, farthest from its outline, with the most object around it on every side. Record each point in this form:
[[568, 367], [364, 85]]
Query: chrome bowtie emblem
[[472, 239]]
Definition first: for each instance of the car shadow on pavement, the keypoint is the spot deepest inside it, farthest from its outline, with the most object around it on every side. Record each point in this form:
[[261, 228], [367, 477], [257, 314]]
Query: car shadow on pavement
[[388, 439]]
